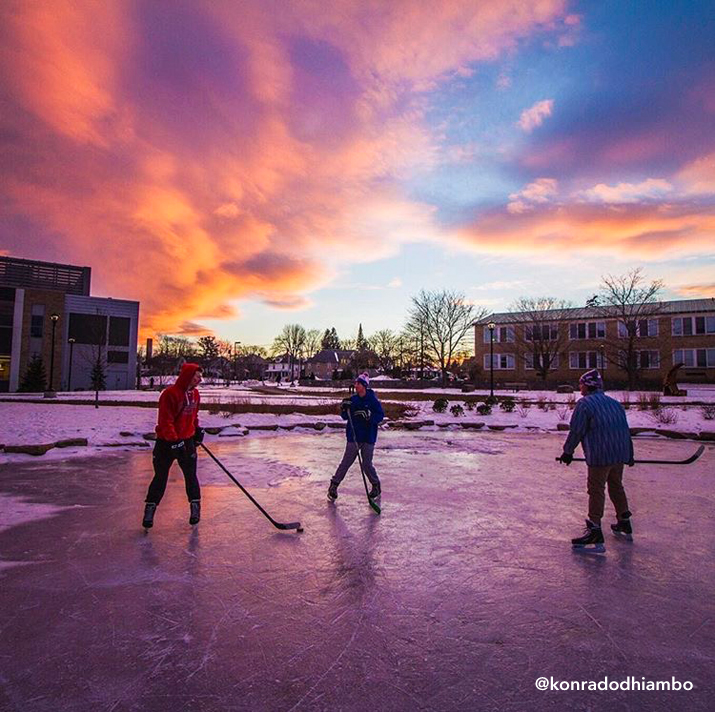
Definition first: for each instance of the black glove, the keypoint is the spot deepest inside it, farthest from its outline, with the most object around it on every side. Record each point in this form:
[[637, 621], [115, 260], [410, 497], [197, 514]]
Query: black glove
[[364, 414], [178, 445], [566, 458], [631, 462], [346, 403], [199, 435]]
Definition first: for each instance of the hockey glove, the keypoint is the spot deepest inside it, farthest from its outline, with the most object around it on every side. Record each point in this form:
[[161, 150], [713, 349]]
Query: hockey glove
[[199, 435], [566, 458], [345, 404], [364, 414], [178, 445]]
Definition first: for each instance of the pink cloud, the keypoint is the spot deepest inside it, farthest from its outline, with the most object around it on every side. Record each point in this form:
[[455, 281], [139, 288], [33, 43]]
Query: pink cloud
[[534, 116], [627, 192]]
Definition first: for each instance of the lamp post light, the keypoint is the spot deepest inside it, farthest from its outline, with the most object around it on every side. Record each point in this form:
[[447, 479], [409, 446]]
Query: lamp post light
[[71, 342], [491, 326], [54, 318]]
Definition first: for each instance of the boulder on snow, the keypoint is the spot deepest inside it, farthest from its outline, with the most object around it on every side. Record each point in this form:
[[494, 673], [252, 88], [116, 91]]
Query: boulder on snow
[[472, 425], [563, 426], [149, 436], [263, 427], [72, 442], [213, 430], [565, 388], [706, 435], [29, 449]]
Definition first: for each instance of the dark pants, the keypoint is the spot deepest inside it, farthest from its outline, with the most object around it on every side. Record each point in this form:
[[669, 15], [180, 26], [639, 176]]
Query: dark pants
[[163, 458], [598, 477], [351, 451]]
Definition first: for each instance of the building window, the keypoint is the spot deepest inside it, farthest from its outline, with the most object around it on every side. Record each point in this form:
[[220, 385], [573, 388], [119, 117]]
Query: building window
[[502, 362], [530, 358], [641, 327], [587, 330], [117, 357], [586, 359], [695, 358], [502, 335], [648, 359], [88, 329], [693, 325], [37, 321], [541, 332], [119, 330]]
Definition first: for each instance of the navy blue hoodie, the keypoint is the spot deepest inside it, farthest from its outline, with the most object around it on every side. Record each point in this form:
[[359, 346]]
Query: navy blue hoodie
[[366, 431]]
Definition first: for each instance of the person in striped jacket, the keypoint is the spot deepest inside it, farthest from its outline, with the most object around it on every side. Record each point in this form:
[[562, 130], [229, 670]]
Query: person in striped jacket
[[599, 423]]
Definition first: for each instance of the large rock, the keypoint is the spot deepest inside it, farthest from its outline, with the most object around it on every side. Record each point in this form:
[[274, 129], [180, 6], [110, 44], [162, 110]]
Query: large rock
[[638, 431], [706, 435], [149, 436], [213, 430], [72, 442], [471, 425], [263, 427], [29, 449], [565, 388], [500, 427], [563, 426]]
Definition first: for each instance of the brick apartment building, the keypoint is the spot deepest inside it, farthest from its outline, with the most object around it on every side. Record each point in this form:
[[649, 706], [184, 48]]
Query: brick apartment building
[[672, 332], [46, 311]]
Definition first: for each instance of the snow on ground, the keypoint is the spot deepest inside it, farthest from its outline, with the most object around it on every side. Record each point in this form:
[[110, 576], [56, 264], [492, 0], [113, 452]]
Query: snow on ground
[[43, 422]]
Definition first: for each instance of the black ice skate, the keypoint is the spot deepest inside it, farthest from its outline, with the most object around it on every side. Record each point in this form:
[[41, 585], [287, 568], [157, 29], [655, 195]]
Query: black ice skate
[[149, 510], [375, 492], [332, 492], [623, 528], [195, 511], [592, 540]]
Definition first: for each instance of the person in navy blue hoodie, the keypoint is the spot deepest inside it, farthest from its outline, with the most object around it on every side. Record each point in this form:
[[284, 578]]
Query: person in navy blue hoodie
[[366, 413]]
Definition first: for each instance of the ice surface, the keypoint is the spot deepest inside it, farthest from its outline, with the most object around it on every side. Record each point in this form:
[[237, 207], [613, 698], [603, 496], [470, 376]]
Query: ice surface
[[461, 594]]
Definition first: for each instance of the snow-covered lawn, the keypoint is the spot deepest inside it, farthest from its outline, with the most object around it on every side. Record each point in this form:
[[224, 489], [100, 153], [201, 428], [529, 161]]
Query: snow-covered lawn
[[43, 422]]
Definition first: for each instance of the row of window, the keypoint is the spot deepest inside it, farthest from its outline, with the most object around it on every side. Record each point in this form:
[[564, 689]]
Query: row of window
[[646, 359], [680, 326], [86, 328]]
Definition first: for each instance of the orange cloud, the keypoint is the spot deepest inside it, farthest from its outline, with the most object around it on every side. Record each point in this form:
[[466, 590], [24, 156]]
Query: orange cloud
[[203, 154], [697, 290], [639, 231]]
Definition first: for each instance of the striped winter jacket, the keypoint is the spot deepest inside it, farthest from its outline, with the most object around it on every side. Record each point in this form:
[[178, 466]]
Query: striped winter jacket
[[599, 423]]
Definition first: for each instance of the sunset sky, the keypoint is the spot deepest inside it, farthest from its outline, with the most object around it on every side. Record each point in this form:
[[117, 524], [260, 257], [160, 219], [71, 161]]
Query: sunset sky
[[239, 165]]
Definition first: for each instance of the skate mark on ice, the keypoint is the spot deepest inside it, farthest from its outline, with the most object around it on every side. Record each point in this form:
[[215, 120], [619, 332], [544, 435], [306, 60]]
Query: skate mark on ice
[[606, 633]]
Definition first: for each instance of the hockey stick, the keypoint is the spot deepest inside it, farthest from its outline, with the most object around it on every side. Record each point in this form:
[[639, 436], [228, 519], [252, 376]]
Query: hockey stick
[[277, 525], [687, 461], [373, 504]]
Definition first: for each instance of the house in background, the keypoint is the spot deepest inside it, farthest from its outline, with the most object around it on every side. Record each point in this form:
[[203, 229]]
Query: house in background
[[324, 364], [279, 368], [46, 311]]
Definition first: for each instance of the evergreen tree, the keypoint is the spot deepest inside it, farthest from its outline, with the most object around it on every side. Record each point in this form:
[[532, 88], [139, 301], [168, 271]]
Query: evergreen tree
[[361, 342], [330, 339], [209, 348], [98, 378], [35, 378]]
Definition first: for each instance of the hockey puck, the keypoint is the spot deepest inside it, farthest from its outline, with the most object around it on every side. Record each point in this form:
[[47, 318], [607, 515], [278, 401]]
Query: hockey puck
[[299, 529]]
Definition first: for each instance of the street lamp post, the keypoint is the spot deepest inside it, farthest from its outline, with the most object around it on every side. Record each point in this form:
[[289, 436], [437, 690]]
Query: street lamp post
[[71, 342], [236, 344], [491, 326], [54, 318]]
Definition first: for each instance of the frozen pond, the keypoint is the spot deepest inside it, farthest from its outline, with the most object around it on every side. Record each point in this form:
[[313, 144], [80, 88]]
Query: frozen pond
[[458, 597]]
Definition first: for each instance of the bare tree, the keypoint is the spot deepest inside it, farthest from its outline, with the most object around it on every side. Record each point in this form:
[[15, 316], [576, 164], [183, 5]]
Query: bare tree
[[384, 344], [633, 302], [313, 338], [540, 331], [290, 341], [442, 319]]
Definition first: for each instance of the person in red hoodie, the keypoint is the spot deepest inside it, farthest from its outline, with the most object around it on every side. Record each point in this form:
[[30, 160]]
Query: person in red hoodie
[[177, 435]]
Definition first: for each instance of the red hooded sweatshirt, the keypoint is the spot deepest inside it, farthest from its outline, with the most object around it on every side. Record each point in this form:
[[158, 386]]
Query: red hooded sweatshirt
[[179, 407]]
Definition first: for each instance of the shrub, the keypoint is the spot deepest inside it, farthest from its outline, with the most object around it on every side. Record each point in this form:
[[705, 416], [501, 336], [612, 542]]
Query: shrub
[[643, 401], [626, 400], [571, 401], [541, 403], [440, 405], [484, 409], [508, 404], [562, 411], [665, 416], [456, 410], [708, 411], [470, 405], [523, 410], [654, 401], [551, 406]]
